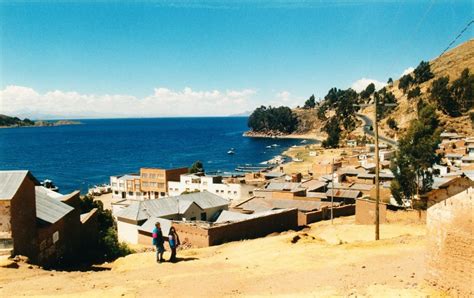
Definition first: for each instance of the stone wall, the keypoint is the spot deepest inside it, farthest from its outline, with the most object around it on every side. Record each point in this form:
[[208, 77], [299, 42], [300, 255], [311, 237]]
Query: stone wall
[[5, 216], [450, 244]]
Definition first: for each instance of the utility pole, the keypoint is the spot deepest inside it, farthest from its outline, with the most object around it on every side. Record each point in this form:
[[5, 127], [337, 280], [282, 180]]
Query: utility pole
[[377, 162], [377, 186], [332, 191]]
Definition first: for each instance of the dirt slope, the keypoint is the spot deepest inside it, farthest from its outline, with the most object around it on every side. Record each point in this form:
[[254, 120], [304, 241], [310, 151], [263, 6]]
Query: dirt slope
[[321, 261]]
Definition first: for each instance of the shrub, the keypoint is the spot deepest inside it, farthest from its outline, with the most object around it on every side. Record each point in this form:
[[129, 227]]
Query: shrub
[[415, 92]]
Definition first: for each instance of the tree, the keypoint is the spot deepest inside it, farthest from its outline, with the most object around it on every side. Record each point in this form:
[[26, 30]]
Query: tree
[[392, 124], [462, 90], [333, 130], [281, 119], [108, 247], [369, 90], [405, 82], [440, 92], [390, 82], [310, 103], [423, 72], [416, 155], [196, 167], [415, 92]]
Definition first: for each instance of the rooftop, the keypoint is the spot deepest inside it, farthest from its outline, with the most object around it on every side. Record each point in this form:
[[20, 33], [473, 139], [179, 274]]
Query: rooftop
[[10, 181], [48, 206]]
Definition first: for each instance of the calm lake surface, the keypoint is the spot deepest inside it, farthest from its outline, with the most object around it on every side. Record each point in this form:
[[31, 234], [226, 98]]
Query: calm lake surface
[[79, 156]]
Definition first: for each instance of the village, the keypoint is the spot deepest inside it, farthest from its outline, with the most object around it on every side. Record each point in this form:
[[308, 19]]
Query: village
[[212, 209]]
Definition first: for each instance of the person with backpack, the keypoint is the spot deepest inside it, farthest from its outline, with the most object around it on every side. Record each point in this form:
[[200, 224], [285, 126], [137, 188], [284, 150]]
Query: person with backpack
[[158, 242], [173, 240]]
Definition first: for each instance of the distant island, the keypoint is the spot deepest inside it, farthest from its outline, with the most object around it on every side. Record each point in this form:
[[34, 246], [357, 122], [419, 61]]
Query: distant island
[[10, 122]]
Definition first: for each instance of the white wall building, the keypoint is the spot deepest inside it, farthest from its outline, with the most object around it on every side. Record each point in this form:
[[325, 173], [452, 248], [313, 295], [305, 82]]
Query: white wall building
[[212, 184], [126, 187]]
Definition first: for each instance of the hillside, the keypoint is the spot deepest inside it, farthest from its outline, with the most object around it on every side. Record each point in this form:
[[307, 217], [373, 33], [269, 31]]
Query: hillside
[[7, 121], [450, 64], [322, 260]]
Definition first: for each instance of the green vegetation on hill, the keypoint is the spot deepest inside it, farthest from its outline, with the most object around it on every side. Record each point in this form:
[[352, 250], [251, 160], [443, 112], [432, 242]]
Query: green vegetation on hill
[[14, 121], [281, 119], [457, 98]]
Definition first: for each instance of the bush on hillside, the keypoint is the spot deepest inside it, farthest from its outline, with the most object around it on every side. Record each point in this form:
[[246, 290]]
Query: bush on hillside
[[310, 103], [415, 92], [423, 72], [405, 82]]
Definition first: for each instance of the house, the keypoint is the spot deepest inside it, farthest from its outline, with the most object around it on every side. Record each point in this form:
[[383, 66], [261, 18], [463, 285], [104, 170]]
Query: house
[[449, 244], [126, 187], [154, 182], [449, 136], [203, 206], [326, 167], [18, 213], [445, 188], [225, 229], [281, 190], [343, 195], [211, 183], [351, 143], [454, 158], [43, 225]]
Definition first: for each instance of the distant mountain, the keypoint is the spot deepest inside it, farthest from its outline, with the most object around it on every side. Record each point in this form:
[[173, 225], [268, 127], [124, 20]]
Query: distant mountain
[[243, 114], [8, 121]]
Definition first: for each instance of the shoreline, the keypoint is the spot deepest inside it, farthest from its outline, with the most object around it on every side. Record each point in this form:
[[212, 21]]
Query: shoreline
[[53, 124], [271, 135]]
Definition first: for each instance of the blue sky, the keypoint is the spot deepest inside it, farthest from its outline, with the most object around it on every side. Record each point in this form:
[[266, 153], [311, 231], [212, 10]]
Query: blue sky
[[208, 58]]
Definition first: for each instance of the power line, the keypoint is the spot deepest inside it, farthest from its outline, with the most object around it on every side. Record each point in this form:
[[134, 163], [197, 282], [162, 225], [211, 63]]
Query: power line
[[458, 36]]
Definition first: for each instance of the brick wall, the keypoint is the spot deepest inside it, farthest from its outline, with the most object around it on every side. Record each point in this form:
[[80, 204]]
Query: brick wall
[[199, 236], [23, 220], [365, 212], [450, 244], [5, 225]]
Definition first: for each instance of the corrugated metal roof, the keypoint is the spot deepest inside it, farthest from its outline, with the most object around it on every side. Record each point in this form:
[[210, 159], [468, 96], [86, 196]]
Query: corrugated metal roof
[[343, 193], [261, 204], [313, 184], [49, 209], [229, 216], [10, 181], [171, 206], [289, 186]]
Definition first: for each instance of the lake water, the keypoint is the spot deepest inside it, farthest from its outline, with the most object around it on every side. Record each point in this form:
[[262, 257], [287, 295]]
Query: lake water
[[79, 156]]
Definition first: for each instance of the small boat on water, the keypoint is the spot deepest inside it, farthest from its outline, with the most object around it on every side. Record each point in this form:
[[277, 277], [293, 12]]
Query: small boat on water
[[231, 151], [49, 185], [304, 142], [269, 147], [275, 145]]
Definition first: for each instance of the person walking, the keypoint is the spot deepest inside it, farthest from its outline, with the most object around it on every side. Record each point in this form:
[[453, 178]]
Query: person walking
[[173, 240], [158, 242]]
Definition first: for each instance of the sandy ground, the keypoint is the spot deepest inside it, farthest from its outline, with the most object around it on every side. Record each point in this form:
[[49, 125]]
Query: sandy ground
[[306, 164], [320, 261], [106, 199]]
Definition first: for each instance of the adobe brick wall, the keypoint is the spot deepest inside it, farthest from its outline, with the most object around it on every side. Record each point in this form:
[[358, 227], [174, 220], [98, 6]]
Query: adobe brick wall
[[365, 212], [406, 216], [450, 244], [90, 230], [23, 220], [198, 236], [5, 225], [254, 228]]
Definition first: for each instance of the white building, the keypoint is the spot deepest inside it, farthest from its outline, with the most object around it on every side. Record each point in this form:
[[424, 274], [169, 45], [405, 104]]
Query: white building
[[212, 184], [126, 187]]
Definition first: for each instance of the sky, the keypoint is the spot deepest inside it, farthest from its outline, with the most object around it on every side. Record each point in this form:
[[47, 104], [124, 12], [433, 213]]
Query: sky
[[83, 59]]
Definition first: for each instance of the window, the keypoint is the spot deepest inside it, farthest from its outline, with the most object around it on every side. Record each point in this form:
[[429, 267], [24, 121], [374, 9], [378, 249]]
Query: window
[[156, 194], [130, 193], [235, 192], [203, 216], [193, 218], [162, 194], [114, 184], [116, 192]]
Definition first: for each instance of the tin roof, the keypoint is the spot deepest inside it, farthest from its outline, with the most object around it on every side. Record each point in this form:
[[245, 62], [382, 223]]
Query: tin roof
[[141, 210], [260, 204], [10, 181], [48, 207], [343, 193]]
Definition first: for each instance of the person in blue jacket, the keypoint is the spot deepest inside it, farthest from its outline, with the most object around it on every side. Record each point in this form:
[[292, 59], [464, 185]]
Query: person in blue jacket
[[158, 242]]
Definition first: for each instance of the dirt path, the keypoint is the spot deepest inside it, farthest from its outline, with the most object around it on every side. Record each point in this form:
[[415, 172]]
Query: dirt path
[[324, 260]]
